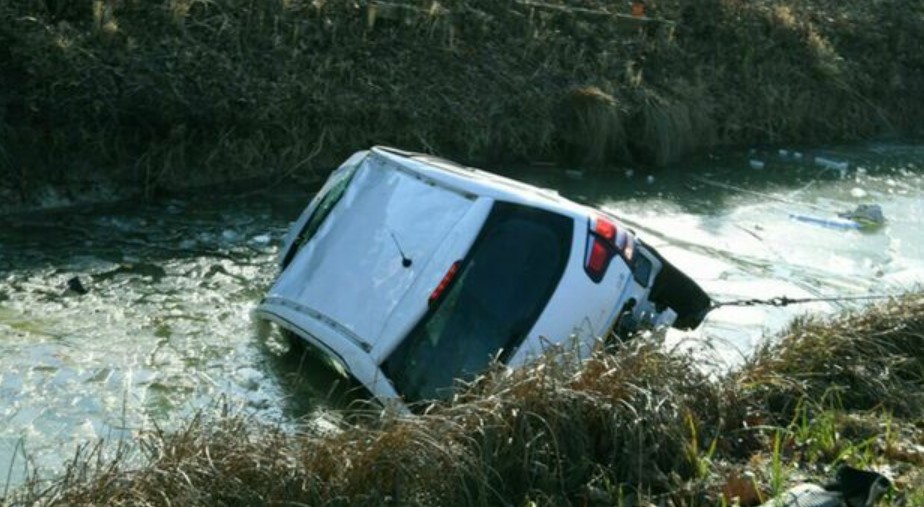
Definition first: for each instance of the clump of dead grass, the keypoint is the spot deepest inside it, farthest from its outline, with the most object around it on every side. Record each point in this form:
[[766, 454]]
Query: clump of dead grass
[[622, 417], [670, 124], [867, 360], [591, 129]]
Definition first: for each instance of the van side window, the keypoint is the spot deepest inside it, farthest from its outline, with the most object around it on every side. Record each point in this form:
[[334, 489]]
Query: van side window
[[500, 290], [641, 269], [328, 200]]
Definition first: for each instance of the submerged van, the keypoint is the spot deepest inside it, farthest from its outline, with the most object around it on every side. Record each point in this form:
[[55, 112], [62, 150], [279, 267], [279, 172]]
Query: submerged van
[[410, 271]]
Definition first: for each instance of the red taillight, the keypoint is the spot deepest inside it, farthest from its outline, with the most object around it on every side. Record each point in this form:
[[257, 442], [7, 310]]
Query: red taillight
[[447, 279], [600, 256], [604, 241], [606, 229]]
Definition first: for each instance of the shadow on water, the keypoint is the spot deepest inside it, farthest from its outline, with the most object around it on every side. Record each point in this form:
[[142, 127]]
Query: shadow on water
[[143, 233], [309, 381]]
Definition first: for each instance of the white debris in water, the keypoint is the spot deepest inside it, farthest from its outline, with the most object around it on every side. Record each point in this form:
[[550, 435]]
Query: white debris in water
[[630, 173], [797, 155], [649, 179], [756, 164], [262, 239], [784, 153], [858, 192], [837, 165], [229, 235]]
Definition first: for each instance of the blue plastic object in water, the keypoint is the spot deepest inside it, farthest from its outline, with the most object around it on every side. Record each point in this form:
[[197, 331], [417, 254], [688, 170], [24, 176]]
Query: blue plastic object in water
[[834, 223]]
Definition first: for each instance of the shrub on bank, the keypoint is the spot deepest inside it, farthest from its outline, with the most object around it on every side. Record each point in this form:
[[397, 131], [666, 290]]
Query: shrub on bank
[[866, 361], [639, 423]]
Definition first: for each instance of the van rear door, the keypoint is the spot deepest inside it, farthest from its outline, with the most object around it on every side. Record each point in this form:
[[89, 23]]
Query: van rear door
[[676, 290]]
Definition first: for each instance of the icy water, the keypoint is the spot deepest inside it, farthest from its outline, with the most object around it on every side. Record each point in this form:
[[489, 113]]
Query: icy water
[[164, 328]]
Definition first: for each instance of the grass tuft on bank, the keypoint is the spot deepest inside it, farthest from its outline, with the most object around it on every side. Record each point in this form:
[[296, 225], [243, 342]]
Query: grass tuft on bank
[[864, 361], [637, 424]]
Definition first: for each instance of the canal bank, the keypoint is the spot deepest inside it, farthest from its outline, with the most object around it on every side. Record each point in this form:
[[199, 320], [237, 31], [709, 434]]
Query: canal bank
[[129, 98]]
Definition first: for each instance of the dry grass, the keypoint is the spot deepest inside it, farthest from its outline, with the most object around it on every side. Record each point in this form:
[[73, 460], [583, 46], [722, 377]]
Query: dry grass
[[867, 361], [184, 93], [592, 132], [640, 423]]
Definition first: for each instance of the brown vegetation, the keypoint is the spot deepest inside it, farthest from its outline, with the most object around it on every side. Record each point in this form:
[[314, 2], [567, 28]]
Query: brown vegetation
[[637, 424], [870, 361], [179, 93]]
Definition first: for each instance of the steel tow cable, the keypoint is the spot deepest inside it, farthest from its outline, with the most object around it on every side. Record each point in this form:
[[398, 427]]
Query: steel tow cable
[[781, 301]]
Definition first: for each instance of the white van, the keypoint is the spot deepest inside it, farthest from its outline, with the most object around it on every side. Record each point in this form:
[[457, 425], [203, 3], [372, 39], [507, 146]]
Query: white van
[[410, 272]]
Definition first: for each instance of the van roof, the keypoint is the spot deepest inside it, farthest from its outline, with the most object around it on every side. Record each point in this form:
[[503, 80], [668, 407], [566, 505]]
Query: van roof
[[481, 183]]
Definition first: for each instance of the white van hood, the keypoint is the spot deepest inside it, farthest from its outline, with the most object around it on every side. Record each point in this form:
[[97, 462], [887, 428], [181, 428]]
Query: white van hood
[[351, 275]]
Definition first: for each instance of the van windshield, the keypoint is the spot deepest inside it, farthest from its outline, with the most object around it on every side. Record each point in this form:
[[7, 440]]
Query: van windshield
[[497, 295]]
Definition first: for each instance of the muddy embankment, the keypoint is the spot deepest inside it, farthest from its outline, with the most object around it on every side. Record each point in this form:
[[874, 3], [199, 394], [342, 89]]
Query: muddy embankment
[[156, 96]]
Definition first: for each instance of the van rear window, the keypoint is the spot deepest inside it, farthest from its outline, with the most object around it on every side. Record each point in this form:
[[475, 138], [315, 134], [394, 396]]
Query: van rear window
[[500, 290]]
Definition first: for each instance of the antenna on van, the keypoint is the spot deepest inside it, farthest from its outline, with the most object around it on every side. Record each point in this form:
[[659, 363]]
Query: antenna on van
[[405, 260]]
